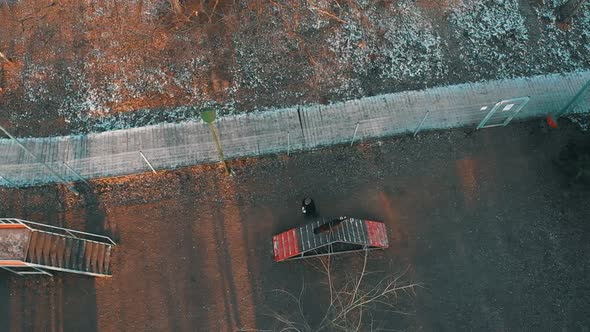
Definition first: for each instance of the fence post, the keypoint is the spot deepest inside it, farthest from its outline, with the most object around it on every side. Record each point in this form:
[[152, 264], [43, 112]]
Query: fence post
[[288, 143], [421, 123], [354, 135], [571, 105], [77, 174], [208, 116], [147, 162], [39, 160]]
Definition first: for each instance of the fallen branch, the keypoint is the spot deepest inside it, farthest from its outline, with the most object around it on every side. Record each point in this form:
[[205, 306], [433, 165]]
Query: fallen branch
[[327, 13], [3, 57], [178, 10]]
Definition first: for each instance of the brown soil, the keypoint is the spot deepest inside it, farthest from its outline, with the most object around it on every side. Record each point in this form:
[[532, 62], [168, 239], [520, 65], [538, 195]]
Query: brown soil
[[72, 63], [495, 234]]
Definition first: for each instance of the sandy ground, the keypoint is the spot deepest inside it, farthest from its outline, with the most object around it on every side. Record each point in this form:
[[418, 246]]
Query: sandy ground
[[483, 220]]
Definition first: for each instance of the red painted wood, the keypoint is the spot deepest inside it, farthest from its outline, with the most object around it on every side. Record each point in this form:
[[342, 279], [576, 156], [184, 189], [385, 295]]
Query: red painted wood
[[286, 245], [377, 234]]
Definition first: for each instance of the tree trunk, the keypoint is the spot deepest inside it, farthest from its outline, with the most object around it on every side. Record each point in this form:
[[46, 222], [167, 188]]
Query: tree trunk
[[566, 11]]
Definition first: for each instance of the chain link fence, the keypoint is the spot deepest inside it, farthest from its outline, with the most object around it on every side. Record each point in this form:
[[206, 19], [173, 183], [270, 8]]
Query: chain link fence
[[169, 146]]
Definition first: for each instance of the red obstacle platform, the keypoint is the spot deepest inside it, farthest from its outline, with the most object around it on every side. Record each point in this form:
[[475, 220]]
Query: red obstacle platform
[[329, 236]]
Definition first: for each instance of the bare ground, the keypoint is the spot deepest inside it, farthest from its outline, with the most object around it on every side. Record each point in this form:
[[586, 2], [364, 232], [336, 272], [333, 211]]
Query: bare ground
[[484, 220], [93, 66]]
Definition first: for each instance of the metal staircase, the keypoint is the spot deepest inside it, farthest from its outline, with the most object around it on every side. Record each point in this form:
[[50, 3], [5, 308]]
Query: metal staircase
[[54, 248]]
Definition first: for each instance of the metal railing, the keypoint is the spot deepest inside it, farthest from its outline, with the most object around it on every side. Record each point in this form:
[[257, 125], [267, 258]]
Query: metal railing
[[62, 231], [24, 269]]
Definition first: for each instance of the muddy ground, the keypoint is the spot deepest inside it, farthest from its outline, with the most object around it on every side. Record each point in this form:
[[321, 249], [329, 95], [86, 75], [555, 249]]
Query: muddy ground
[[87, 66], [484, 220]]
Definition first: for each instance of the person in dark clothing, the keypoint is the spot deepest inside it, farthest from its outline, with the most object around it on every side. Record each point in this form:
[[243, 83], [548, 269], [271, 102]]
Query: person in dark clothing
[[308, 207]]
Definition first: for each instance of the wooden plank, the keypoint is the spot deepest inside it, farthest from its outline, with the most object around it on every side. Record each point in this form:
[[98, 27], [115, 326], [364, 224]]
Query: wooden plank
[[308, 235], [53, 250], [32, 246], [107, 260], [94, 257], [356, 231], [302, 239], [12, 226], [88, 255], [76, 246], [80, 255], [100, 258], [69, 243], [39, 248], [12, 263], [60, 251]]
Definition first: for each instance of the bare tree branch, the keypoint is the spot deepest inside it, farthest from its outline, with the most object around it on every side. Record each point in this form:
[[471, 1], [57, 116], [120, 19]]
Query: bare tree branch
[[360, 278], [324, 12], [4, 58], [350, 299]]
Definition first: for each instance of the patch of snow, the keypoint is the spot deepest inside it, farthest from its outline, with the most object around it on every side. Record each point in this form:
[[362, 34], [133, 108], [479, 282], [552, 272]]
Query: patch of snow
[[581, 120], [492, 36], [569, 49], [411, 48]]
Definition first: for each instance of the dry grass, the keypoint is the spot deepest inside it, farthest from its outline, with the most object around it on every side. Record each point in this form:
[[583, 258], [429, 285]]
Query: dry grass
[[178, 10]]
